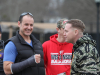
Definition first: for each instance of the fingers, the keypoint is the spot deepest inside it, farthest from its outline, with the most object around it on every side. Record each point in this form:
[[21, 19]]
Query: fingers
[[37, 58]]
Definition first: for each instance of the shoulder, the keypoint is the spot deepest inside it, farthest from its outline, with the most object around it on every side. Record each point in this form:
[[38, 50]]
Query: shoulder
[[10, 44], [69, 44], [86, 49], [10, 48], [11, 39], [46, 43]]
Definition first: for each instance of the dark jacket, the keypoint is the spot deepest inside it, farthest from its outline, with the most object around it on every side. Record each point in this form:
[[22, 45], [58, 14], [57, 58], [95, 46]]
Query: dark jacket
[[25, 51], [85, 57], [1, 57]]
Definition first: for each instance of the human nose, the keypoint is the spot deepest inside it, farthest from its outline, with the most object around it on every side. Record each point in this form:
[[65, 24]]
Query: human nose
[[29, 27]]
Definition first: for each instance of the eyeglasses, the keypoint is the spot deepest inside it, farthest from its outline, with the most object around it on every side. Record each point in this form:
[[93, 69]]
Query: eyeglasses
[[23, 14]]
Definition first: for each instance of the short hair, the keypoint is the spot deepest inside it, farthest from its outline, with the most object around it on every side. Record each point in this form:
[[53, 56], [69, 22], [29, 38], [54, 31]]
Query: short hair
[[61, 23], [76, 23], [23, 14]]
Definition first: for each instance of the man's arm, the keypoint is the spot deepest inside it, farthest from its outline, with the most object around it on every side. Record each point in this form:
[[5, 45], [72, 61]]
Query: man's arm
[[86, 61], [11, 68], [10, 54], [7, 67]]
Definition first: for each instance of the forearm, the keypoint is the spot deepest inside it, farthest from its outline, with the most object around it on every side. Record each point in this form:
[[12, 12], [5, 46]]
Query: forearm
[[17, 67], [12, 68]]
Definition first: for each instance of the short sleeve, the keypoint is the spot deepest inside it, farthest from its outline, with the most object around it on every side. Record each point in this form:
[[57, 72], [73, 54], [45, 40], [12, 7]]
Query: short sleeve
[[10, 52]]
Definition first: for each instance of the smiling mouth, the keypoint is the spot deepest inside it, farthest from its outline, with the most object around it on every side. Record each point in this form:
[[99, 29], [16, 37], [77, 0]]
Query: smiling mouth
[[28, 30]]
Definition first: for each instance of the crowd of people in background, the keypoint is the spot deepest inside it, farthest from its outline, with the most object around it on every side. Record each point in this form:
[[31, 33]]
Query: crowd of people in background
[[69, 52]]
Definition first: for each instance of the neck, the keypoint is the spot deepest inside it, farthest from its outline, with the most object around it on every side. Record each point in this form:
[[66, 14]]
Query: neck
[[78, 36], [26, 38], [60, 39]]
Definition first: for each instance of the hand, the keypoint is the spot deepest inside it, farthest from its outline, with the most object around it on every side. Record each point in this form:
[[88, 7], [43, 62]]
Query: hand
[[37, 58]]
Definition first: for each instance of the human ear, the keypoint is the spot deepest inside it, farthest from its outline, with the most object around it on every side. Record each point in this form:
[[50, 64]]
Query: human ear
[[18, 23], [75, 31], [57, 29]]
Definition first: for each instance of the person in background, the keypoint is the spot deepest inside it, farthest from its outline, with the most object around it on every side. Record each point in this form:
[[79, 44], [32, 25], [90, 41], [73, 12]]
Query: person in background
[[57, 53], [1, 53], [85, 56], [23, 53]]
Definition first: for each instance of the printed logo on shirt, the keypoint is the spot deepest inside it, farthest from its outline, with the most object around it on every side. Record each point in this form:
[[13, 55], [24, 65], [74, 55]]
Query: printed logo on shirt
[[61, 58]]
